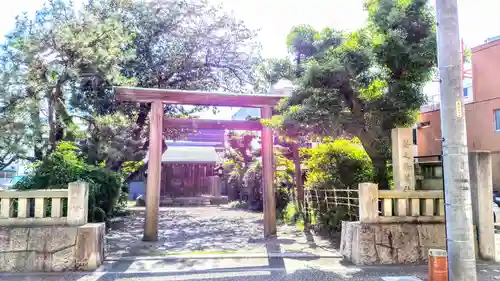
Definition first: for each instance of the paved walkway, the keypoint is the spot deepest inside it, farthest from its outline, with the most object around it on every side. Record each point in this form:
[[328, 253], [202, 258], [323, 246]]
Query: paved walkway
[[188, 236], [210, 231], [256, 269]]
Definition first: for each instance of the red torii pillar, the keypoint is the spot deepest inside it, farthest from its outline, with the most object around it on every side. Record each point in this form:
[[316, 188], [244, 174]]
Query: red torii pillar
[[268, 175], [154, 172]]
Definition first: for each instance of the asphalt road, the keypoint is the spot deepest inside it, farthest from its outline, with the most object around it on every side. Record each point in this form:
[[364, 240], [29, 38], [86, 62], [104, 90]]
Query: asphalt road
[[255, 269]]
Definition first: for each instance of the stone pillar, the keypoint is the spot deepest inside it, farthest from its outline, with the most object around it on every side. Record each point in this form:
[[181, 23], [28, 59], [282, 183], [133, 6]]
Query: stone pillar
[[154, 171], [268, 176], [481, 184], [368, 202], [78, 203], [403, 167], [89, 248]]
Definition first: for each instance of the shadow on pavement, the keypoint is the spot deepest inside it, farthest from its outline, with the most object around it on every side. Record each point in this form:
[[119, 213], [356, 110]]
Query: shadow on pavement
[[243, 273], [184, 230]]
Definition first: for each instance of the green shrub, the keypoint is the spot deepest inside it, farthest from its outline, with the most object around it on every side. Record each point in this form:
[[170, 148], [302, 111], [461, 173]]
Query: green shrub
[[339, 164], [238, 205], [106, 188], [282, 199], [331, 220], [252, 183]]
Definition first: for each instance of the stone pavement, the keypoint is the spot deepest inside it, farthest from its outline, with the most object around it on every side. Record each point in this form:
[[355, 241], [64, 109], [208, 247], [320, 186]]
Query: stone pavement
[[210, 231]]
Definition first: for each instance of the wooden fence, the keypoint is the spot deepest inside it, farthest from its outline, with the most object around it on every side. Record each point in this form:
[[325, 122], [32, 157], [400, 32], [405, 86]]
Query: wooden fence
[[391, 206], [45, 207], [326, 200]]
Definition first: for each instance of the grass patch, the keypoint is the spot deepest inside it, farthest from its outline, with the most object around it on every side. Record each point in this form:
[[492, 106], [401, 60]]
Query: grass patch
[[300, 225], [238, 205], [292, 216]]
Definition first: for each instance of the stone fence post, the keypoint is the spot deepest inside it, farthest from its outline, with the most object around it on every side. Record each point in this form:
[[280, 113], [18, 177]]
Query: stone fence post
[[78, 203], [368, 202], [481, 184]]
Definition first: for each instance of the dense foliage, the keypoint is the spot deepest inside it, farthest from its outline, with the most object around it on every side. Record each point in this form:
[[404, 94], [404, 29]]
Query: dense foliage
[[58, 69], [336, 164], [67, 165], [243, 172], [362, 83], [239, 157]]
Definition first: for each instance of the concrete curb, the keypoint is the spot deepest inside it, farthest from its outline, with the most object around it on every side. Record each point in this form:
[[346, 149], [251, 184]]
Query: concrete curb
[[224, 256]]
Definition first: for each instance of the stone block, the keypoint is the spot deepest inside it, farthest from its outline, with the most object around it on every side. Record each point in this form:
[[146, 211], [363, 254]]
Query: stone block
[[4, 239], [22, 261], [346, 240], [43, 262], [431, 235], [62, 238], [402, 243], [355, 242], [44, 249], [38, 238], [78, 203], [408, 246], [52, 239], [18, 239], [63, 260], [366, 245], [386, 255], [90, 245]]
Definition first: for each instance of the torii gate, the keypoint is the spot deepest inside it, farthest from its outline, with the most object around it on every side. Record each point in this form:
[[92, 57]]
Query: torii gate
[[158, 97]]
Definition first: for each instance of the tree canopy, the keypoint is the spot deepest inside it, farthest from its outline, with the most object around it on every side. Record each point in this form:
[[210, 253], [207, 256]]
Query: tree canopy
[[366, 82], [61, 65]]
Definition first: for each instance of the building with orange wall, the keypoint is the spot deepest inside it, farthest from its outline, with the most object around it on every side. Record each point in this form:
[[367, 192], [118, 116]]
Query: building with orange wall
[[482, 110]]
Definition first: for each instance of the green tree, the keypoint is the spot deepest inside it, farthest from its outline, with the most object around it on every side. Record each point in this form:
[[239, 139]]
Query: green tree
[[370, 83], [14, 129], [68, 59], [12, 140], [177, 44], [58, 50], [238, 158]]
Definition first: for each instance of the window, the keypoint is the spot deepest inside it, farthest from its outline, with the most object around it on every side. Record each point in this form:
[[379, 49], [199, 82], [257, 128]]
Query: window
[[468, 95], [497, 120], [414, 131]]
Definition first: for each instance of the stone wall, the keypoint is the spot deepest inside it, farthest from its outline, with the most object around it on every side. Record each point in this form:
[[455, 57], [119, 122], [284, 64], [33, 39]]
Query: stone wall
[[51, 248], [395, 243]]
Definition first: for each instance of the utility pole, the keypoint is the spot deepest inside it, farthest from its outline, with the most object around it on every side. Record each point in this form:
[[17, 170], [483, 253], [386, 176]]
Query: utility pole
[[458, 209]]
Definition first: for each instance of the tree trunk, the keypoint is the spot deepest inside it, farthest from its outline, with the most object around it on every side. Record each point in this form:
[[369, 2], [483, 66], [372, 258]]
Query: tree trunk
[[380, 174], [37, 131], [52, 122], [60, 129], [373, 147]]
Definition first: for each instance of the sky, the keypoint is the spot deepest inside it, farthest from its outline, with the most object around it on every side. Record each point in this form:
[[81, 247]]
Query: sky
[[274, 19]]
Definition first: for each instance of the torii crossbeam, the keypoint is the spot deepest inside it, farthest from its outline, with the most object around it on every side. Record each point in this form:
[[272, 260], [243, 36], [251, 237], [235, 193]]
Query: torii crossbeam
[[158, 97]]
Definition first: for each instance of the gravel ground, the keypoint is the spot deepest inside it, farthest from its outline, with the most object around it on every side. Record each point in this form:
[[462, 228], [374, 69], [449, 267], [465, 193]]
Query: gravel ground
[[208, 230]]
